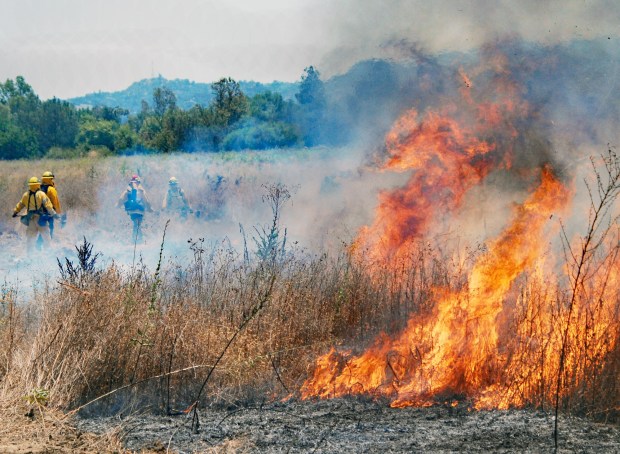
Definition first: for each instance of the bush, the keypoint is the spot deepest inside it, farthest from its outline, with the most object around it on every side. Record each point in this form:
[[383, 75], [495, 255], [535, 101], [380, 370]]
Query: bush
[[63, 153], [261, 136]]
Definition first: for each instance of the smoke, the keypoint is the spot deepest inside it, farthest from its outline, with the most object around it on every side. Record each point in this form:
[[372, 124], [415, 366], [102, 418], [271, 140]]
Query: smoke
[[361, 29], [435, 55], [331, 197]]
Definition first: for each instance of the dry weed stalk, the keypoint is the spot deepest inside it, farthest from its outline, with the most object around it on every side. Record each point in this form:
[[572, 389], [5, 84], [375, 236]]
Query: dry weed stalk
[[584, 266]]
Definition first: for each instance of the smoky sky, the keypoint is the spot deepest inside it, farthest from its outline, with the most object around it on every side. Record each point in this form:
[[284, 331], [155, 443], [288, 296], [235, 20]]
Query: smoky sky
[[68, 48], [364, 29]]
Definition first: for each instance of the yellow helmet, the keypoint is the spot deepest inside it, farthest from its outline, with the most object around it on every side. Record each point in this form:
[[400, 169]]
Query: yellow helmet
[[48, 177], [173, 181], [34, 184]]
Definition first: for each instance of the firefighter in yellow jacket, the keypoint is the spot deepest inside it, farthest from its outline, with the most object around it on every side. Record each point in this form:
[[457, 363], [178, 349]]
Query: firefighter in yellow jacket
[[175, 201], [49, 188], [37, 205]]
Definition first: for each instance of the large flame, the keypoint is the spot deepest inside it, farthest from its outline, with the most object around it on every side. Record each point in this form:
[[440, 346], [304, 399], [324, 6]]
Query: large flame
[[453, 354], [448, 152], [477, 342]]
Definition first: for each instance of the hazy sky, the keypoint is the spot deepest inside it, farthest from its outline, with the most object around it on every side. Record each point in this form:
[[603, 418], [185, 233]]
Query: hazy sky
[[68, 48]]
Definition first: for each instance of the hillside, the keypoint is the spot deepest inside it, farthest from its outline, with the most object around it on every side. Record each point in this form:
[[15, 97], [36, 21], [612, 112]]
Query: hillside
[[188, 93]]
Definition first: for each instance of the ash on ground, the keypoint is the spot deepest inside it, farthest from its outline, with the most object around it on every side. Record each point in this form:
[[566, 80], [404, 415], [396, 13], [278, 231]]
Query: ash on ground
[[356, 425]]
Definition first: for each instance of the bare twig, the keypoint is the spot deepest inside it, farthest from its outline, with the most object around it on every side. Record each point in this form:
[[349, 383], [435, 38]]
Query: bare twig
[[275, 369], [255, 310], [607, 193]]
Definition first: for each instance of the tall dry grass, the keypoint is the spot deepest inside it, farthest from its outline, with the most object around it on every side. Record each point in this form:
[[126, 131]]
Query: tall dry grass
[[150, 339], [101, 330]]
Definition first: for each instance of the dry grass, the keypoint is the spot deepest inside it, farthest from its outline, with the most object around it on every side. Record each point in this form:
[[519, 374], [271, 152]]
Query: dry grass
[[110, 329], [39, 429], [155, 337]]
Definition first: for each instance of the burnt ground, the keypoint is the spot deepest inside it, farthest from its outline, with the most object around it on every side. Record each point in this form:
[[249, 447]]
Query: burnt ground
[[356, 425]]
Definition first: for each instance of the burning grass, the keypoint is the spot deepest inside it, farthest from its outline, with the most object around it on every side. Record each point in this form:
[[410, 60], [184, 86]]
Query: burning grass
[[484, 339], [150, 338]]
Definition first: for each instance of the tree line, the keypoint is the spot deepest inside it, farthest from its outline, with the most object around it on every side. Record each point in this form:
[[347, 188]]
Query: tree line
[[31, 128]]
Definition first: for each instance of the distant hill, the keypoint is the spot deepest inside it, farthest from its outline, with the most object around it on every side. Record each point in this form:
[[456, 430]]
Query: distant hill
[[568, 84], [188, 93]]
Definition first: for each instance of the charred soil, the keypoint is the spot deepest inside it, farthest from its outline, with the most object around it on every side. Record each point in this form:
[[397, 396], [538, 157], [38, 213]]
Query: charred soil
[[355, 425]]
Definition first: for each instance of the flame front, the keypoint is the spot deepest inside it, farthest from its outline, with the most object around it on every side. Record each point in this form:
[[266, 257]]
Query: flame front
[[475, 343], [456, 352]]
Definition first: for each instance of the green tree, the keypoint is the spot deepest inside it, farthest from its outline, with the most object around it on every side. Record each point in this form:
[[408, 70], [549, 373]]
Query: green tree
[[149, 131], [261, 136], [20, 135], [270, 107], [203, 132], [164, 100], [125, 138], [230, 103], [109, 113], [165, 127], [97, 133], [311, 89], [312, 100], [58, 124], [15, 142], [174, 128]]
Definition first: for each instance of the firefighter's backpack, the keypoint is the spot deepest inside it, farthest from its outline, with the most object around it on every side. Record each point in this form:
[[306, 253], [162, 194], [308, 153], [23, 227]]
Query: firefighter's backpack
[[134, 200]]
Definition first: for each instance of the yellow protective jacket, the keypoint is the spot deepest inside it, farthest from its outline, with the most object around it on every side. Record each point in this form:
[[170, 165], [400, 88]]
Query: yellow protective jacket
[[175, 200], [50, 190], [35, 203]]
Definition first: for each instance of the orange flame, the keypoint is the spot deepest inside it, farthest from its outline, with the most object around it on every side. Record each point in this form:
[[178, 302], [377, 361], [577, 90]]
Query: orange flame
[[453, 159], [479, 341], [446, 156], [458, 352]]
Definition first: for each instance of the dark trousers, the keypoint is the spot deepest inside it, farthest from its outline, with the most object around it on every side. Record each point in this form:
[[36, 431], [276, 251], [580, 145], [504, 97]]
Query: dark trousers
[[136, 218]]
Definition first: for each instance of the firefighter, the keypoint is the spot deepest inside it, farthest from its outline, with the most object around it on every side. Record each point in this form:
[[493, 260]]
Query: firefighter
[[49, 188], [135, 202], [175, 200], [38, 205]]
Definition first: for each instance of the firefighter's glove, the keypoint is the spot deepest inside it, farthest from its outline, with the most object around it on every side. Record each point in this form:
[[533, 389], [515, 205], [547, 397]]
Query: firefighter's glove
[[14, 215]]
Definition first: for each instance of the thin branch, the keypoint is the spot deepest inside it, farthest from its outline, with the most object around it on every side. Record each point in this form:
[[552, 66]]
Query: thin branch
[[255, 310]]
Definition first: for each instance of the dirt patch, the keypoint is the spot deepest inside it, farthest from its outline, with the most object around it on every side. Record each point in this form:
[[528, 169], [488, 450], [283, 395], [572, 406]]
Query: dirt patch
[[354, 425]]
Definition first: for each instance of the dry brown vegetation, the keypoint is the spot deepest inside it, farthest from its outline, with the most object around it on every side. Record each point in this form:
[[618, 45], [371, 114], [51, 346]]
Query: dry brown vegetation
[[148, 338], [160, 334], [104, 329]]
